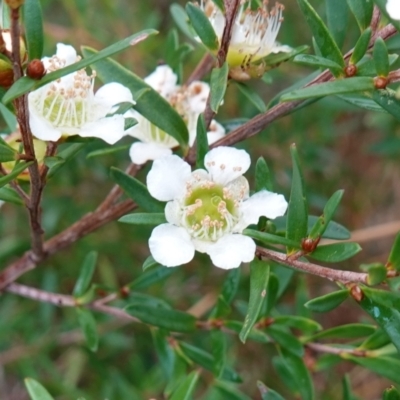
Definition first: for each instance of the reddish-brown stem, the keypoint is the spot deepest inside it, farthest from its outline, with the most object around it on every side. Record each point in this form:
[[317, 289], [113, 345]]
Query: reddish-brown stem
[[324, 272], [203, 67], [323, 348]]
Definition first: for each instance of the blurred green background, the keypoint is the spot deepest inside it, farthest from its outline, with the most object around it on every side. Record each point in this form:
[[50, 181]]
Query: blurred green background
[[341, 147]]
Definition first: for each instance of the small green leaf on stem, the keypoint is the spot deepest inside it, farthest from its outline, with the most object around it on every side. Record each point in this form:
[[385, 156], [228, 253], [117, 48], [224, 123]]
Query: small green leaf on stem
[[263, 176], [361, 46], [201, 142], [394, 257], [89, 328], [33, 24], [218, 83], [362, 11], [85, 274], [327, 302], [185, 389], [144, 219], [381, 57], [335, 252], [267, 393], [36, 390], [20, 167]]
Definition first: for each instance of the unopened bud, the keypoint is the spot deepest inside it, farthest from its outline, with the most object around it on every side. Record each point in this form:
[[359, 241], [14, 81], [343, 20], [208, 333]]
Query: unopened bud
[[350, 70], [6, 73], [13, 4], [380, 82], [6, 35], [356, 293], [35, 69]]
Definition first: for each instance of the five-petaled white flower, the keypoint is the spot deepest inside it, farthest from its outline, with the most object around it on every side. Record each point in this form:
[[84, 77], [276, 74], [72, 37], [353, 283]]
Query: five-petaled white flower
[[69, 107], [208, 210], [393, 9], [254, 31], [189, 101]]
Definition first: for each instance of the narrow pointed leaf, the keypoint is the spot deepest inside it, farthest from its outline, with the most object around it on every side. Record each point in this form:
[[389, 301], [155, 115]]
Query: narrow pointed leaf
[[273, 289], [337, 14], [144, 219], [339, 86], [172, 320], [33, 24], [22, 166], [185, 390], [252, 96], [181, 19], [201, 142], [149, 263], [259, 274], [286, 340], [9, 118], [325, 41], [381, 57], [85, 274], [263, 176], [388, 100], [10, 196], [348, 331], [316, 61], [231, 285], [327, 302], [362, 11], [297, 322], [150, 277], [164, 351], [202, 26], [361, 46], [267, 393], [89, 328], [218, 83], [137, 191], [391, 393], [394, 257], [377, 340], [151, 105], [219, 350], [25, 84], [36, 390], [297, 215], [7, 154], [335, 252]]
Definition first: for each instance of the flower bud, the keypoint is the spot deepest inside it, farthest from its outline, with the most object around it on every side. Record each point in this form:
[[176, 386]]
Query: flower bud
[[6, 34], [14, 140], [6, 73], [35, 69], [14, 4]]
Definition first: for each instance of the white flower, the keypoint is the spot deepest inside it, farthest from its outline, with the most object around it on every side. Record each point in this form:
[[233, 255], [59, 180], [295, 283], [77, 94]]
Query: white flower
[[189, 101], [254, 31], [393, 9], [207, 210], [69, 107]]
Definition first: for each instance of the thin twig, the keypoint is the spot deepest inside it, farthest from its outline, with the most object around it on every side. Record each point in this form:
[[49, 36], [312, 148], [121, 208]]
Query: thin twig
[[323, 348], [203, 67], [324, 272]]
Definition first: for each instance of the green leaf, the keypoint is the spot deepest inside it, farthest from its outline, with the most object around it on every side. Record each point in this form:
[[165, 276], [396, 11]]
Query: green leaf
[[219, 350], [337, 14], [388, 100], [269, 238], [218, 83], [361, 46], [201, 142], [323, 38], [9, 118], [7, 154], [150, 277], [377, 340], [89, 328], [394, 257], [299, 374], [391, 393], [316, 61], [386, 366], [254, 334], [376, 274], [107, 151], [347, 395], [381, 57], [267, 393], [259, 274], [36, 390], [186, 388], [25, 84], [20, 167], [149, 262], [33, 24], [362, 101], [137, 191], [362, 11], [272, 293], [181, 19], [327, 302], [329, 211], [380, 305], [263, 176], [10, 196], [297, 322], [339, 86], [285, 340], [252, 96], [297, 215], [85, 274], [229, 392], [144, 218], [335, 252], [172, 320], [66, 154], [231, 285], [151, 104], [348, 331], [202, 26], [164, 351]]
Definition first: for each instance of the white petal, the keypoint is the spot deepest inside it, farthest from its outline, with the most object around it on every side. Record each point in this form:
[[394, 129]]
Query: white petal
[[238, 189], [110, 129], [163, 80], [170, 245], [216, 132], [142, 152], [231, 250], [167, 178], [41, 128], [173, 212], [67, 53], [393, 9], [263, 203], [226, 163], [197, 93], [277, 48], [202, 246], [113, 93]]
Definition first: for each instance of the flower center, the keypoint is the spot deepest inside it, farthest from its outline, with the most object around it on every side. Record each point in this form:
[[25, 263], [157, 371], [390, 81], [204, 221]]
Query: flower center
[[209, 211]]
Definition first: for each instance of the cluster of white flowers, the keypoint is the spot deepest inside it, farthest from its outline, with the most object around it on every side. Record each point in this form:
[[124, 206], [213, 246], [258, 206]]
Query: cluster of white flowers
[[189, 101], [69, 106], [208, 210], [254, 31]]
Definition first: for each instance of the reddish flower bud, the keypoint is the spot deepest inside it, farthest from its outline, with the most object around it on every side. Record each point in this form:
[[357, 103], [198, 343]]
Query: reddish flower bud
[[380, 82], [35, 69], [13, 4], [309, 245], [350, 70], [356, 293]]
